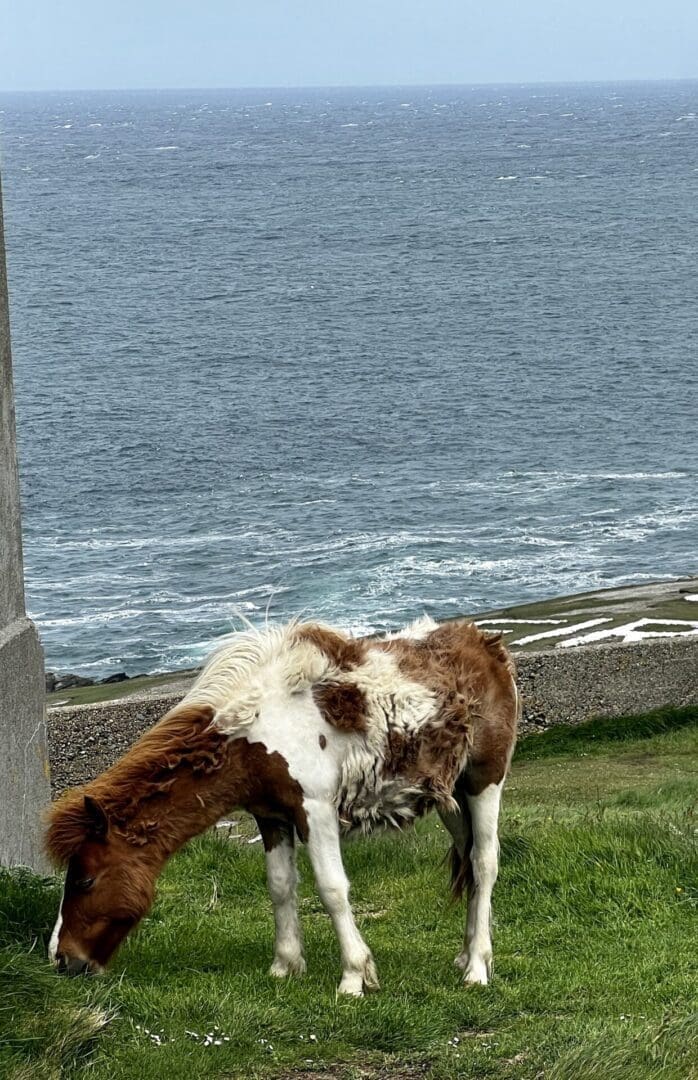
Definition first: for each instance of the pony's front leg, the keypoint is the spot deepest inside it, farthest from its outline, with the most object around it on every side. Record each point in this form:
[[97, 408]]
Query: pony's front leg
[[358, 968], [282, 879]]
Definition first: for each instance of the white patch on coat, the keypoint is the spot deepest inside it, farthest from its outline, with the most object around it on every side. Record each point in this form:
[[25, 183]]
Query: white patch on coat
[[261, 687], [53, 943], [414, 631]]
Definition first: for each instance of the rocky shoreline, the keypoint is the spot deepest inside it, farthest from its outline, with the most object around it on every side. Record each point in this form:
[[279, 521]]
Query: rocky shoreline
[[55, 683]]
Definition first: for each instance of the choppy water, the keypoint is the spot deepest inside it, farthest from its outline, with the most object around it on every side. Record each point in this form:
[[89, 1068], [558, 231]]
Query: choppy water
[[355, 353]]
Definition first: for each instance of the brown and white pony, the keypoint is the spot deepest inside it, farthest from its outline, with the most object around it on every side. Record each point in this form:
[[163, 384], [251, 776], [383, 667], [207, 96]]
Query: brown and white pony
[[317, 734]]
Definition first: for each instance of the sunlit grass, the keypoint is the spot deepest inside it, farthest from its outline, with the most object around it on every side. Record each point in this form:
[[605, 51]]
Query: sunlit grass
[[595, 946]]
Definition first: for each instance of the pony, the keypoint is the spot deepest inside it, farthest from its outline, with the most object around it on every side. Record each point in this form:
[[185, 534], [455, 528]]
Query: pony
[[319, 735]]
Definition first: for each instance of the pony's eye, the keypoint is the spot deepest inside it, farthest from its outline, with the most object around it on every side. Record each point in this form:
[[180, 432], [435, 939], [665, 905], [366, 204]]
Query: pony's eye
[[85, 883]]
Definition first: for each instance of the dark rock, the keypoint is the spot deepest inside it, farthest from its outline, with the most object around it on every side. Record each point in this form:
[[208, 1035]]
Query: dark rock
[[120, 676], [51, 680], [66, 682]]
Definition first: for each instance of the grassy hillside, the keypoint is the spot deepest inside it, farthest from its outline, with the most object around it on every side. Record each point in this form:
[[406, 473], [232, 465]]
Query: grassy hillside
[[595, 945]]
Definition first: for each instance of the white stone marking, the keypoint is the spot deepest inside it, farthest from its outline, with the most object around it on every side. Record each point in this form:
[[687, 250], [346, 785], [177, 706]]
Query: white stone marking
[[631, 631], [520, 622], [560, 631]]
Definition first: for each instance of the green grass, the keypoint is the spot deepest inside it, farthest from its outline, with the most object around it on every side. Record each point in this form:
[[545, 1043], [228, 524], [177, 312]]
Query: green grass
[[595, 945]]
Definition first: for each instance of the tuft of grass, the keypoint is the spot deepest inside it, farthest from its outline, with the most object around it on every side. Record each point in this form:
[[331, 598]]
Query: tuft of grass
[[47, 1027], [595, 948], [665, 1052]]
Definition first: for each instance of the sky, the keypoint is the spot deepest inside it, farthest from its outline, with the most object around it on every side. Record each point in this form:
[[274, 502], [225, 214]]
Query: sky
[[132, 44]]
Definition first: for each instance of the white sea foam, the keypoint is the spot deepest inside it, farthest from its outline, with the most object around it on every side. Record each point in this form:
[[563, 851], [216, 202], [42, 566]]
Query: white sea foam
[[95, 543]]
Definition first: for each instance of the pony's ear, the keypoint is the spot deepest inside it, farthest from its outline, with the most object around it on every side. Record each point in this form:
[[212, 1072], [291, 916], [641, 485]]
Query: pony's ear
[[98, 823]]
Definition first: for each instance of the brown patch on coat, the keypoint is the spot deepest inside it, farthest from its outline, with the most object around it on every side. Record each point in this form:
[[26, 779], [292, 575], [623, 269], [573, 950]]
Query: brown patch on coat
[[178, 779], [343, 705], [470, 673], [275, 831], [345, 652]]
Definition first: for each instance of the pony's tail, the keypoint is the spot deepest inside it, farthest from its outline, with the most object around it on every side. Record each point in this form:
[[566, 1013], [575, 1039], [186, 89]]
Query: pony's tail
[[461, 872], [460, 864]]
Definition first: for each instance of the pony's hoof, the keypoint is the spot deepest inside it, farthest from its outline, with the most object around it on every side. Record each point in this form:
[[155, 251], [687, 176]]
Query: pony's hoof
[[282, 969], [355, 983], [476, 970]]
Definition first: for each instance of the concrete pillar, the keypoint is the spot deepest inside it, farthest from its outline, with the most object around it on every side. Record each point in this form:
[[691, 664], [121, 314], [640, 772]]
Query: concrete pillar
[[24, 768]]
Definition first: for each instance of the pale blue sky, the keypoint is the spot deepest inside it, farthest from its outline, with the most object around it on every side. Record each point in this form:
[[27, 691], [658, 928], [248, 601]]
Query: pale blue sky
[[87, 44]]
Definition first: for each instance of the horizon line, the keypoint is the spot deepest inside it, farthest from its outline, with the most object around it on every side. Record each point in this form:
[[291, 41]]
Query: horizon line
[[351, 86]]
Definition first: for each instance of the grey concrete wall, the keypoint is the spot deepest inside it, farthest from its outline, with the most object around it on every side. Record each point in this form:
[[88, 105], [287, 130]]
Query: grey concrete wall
[[24, 770], [563, 686]]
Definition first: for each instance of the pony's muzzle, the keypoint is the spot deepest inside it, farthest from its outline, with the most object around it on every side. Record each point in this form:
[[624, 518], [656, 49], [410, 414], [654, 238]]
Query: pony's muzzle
[[74, 965]]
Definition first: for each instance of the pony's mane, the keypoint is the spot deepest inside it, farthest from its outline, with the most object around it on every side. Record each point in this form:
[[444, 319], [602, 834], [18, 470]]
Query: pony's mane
[[183, 739], [291, 656]]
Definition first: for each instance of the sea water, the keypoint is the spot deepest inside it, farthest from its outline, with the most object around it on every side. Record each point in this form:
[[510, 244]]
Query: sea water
[[353, 354]]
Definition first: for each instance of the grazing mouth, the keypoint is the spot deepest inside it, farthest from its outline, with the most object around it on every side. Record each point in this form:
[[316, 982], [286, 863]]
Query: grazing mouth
[[73, 966]]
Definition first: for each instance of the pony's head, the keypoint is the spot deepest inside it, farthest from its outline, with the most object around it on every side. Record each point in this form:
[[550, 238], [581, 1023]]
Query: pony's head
[[109, 884]]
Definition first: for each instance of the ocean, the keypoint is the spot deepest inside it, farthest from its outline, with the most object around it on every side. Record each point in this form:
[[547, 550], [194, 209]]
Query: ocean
[[353, 354]]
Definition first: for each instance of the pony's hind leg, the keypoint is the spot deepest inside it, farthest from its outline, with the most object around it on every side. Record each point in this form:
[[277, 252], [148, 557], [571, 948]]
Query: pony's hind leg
[[476, 959], [282, 879], [358, 968]]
